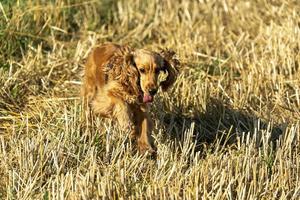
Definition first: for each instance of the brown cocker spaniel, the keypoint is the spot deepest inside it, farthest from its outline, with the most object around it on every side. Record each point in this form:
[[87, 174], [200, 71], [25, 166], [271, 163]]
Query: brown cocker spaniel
[[120, 83]]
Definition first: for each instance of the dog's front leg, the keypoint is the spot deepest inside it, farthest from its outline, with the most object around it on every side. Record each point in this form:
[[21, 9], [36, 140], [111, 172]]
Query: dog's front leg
[[145, 140], [124, 115]]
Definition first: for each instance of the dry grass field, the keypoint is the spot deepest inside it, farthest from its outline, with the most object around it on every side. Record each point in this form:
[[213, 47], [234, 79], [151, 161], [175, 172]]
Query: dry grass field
[[228, 129]]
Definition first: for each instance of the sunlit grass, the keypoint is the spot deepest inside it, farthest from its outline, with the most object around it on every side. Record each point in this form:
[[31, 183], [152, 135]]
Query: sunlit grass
[[228, 129]]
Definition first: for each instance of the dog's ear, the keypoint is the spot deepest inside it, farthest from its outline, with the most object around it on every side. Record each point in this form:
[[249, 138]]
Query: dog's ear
[[129, 59], [170, 66], [131, 69]]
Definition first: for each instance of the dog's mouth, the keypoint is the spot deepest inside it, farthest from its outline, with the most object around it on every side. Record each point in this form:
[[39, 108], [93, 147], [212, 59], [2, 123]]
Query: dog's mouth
[[147, 98]]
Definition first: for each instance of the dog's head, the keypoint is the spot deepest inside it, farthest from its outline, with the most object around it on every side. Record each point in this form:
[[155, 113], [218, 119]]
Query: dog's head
[[149, 65]]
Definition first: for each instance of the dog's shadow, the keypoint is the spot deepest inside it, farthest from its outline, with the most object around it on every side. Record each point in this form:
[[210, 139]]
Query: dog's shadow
[[218, 124]]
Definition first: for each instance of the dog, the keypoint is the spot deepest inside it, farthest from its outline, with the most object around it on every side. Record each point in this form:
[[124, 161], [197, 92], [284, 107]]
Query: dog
[[120, 83]]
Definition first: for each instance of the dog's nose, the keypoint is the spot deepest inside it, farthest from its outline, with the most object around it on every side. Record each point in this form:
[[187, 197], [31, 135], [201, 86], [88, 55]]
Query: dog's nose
[[153, 91]]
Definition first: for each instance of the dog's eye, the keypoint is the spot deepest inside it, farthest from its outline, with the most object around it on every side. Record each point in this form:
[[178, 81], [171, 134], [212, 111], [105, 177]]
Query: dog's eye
[[142, 70]]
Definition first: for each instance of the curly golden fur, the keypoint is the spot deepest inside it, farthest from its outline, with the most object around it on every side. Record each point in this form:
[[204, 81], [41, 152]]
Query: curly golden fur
[[120, 82]]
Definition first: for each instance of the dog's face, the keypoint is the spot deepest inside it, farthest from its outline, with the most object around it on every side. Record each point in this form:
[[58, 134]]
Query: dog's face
[[149, 65]]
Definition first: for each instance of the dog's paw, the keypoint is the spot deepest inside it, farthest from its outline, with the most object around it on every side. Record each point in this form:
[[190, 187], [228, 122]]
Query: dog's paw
[[145, 148]]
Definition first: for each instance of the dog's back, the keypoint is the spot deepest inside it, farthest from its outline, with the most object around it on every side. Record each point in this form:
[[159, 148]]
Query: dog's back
[[94, 76]]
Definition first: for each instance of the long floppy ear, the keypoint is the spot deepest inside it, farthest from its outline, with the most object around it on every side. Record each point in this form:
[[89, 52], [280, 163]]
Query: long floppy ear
[[129, 59], [130, 74], [170, 66], [128, 54]]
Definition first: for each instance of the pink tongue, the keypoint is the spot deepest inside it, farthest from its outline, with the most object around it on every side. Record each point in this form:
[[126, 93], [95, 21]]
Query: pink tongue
[[147, 98]]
